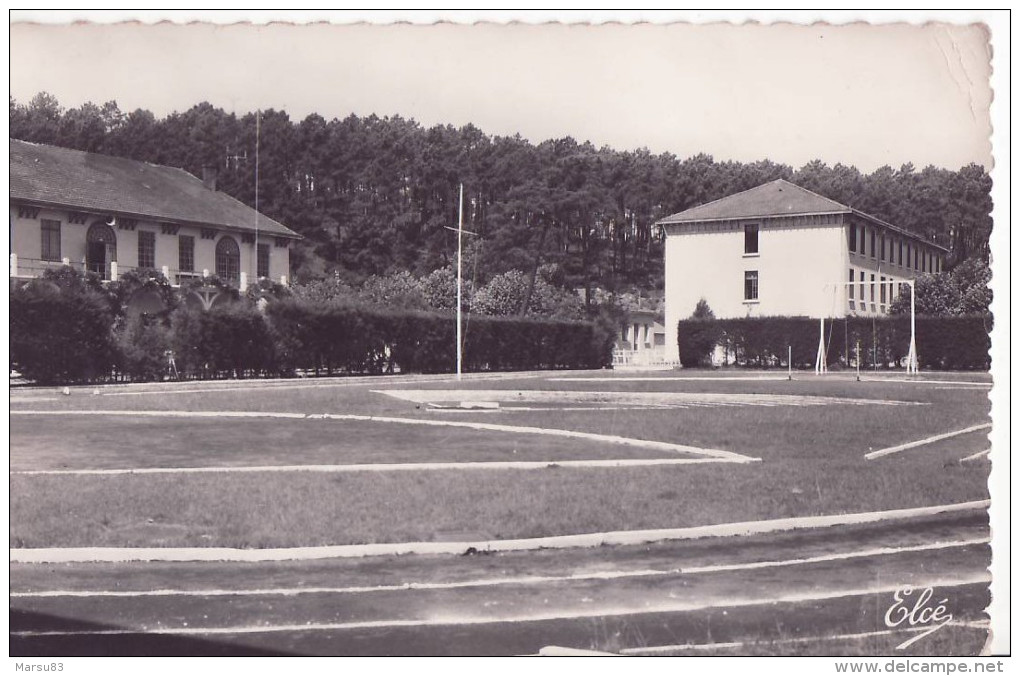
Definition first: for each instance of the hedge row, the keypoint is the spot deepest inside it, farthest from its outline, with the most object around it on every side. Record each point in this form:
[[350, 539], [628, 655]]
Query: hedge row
[[956, 342], [330, 338], [74, 335]]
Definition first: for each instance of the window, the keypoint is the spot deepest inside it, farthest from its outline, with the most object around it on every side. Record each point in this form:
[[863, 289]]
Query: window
[[751, 285], [263, 260], [873, 243], [901, 252], [146, 249], [882, 292], [883, 247], [924, 262], [851, 286], [228, 260], [853, 238], [186, 253], [50, 240], [751, 238], [873, 288]]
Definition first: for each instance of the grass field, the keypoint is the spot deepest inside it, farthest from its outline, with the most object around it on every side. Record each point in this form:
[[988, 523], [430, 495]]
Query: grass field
[[811, 460]]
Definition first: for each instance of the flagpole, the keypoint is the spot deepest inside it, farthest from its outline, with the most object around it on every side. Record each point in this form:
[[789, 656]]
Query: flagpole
[[460, 235]]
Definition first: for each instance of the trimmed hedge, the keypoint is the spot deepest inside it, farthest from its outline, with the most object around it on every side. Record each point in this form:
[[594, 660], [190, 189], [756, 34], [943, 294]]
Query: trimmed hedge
[[73, 334], [332, 338], [60, 335], [945, 343]]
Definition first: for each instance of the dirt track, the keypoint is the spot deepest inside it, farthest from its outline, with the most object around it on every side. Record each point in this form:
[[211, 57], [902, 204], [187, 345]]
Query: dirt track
[[819, 582]]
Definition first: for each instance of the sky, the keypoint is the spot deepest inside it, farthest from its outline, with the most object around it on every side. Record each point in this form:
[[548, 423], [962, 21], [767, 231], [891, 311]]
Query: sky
[[858, 94]]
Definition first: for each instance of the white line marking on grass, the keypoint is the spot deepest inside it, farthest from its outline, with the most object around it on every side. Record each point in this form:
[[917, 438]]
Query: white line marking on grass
[[972, 383], [430, 396], [924, 442], [502, 581], [315, 383], [624, 379], [439, 620], [977, 456], [626, 537], [514, 409], [488, 427], [387, 467]]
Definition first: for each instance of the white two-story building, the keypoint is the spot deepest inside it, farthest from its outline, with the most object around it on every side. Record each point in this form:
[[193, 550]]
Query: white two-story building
[[781, 250], [109, 215]]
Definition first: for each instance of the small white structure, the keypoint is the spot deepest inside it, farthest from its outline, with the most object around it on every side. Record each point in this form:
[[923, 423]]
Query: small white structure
[[642, 342], [781, 250]]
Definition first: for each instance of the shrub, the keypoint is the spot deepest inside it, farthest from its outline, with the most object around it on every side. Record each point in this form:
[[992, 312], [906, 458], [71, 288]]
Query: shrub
[[61, 332], [142, 343], [229, 340], [702, 335], [953, 342]]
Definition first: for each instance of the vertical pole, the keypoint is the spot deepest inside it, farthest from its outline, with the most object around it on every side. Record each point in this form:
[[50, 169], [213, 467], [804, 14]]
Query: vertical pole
[[14, 265], [858, 361], [912, 353], [820, 359], [258, 131], [789, 362], [460, 235]]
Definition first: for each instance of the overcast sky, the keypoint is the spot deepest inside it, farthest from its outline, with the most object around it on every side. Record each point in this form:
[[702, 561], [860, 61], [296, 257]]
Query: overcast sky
[[860, 95]]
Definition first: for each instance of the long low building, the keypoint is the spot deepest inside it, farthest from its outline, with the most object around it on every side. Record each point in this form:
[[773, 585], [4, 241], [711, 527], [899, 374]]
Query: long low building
[[781, 250], [109, 215]]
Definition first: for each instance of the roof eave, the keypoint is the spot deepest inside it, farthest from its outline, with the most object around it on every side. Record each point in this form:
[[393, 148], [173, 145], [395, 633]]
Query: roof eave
[[153, 217], [667, 221]]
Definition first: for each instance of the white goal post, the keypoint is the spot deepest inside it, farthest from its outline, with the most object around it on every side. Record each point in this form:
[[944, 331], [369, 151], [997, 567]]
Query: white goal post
[[820, 359]]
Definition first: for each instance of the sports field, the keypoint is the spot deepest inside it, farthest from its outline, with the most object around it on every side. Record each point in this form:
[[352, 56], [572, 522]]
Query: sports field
[[643, 513]]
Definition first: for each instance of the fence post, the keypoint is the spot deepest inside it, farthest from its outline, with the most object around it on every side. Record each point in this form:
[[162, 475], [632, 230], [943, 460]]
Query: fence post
[[244, 281], [14, 265], [113, 271], [283, 280], [166, 272]]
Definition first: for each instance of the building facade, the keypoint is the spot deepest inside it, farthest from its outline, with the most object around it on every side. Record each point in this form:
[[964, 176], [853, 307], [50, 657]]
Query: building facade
[[110, 215], [781, 250]]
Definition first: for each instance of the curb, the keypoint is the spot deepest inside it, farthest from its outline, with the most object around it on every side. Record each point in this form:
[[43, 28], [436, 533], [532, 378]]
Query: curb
[[629, 537]]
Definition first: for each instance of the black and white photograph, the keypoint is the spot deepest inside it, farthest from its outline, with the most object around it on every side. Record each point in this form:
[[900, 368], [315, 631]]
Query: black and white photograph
[[486, 335]]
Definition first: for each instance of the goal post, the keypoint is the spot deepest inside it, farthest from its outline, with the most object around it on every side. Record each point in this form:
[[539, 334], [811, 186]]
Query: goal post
[[821, 360]]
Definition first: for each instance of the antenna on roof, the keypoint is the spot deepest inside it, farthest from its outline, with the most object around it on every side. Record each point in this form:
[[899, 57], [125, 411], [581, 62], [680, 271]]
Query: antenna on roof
[[232, 161]]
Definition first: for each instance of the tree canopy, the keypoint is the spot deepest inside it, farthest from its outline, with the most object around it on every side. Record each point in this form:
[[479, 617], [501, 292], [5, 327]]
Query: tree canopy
[[374, 196]]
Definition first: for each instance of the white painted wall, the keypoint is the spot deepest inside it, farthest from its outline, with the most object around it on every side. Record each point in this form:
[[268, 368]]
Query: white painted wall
[[794, 265], [26, 243]]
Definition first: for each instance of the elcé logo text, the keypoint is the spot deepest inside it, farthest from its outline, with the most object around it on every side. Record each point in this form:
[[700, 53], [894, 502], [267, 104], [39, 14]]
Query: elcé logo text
[[917, 612]]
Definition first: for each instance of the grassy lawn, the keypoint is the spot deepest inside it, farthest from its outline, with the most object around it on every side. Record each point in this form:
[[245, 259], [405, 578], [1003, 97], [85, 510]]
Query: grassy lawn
[[292, 509], [85, 442], [812, 463]]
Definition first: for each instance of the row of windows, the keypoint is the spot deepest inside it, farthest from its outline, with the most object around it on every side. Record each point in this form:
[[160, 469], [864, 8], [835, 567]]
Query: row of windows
[[892, 250], [861, 291], [228, 254]]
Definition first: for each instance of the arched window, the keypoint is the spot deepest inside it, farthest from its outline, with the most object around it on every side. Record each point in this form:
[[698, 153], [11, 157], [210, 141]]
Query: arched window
[[100, 249], [228, 260]]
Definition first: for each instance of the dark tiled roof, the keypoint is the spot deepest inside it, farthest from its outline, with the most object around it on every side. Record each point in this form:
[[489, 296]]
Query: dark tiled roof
[[43, 174], [778, 198]]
